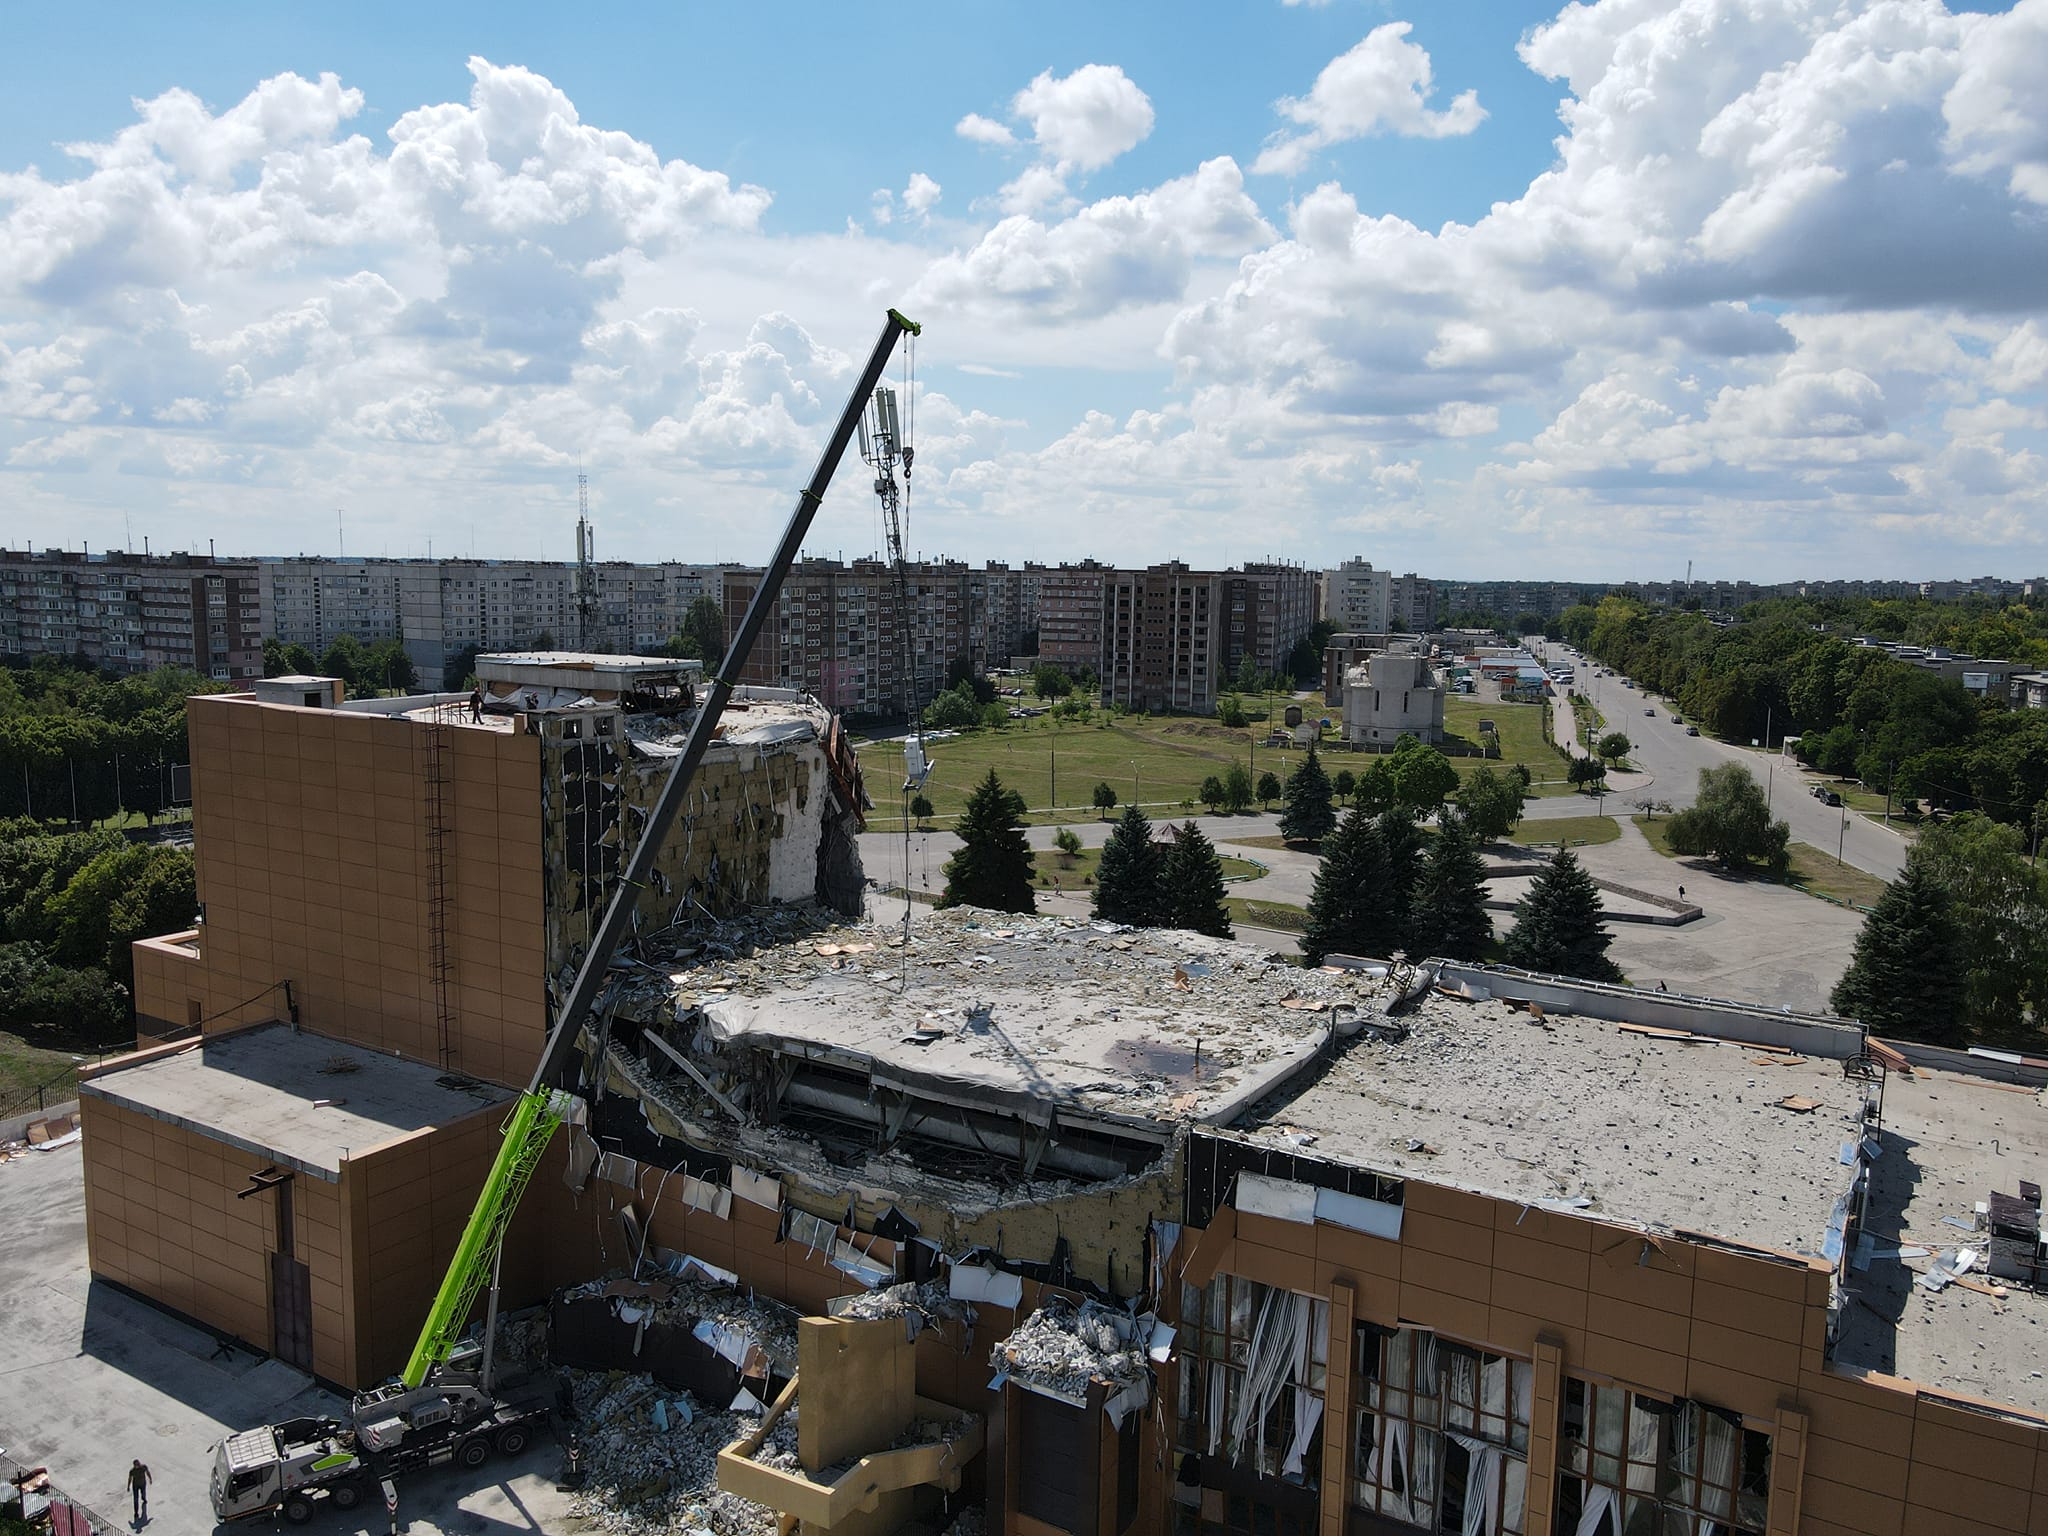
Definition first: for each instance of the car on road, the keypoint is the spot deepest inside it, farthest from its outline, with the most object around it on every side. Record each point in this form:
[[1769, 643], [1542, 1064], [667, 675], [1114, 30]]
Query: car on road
[[1692, 730], [1651, 712]]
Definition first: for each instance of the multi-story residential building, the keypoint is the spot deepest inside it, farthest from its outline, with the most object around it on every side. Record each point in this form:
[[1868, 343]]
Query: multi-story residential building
[[1356, 597], [441, 608], [1173, 637], [132, 613], [1070, 610]]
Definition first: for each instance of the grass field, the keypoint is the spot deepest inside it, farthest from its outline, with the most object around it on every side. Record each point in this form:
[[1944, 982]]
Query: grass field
[[1159, 760], [1812, 870], [1818, 873], [1266, 914], [1080, 870], [1566, 829], [23, 1067]]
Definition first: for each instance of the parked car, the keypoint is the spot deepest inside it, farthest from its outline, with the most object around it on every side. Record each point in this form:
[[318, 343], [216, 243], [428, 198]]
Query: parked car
[[1651, 712], [1692, 730]]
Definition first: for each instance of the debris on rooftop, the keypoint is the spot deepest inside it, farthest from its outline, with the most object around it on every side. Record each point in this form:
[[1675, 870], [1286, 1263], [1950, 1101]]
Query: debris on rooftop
[[1062, 1349], [922, 1305]]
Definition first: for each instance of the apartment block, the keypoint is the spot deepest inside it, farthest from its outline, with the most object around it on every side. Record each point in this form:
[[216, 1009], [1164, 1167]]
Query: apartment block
[[1070, 615], [440, 608], [839, 629], [133, 613], [1172, 637], [392, 893]]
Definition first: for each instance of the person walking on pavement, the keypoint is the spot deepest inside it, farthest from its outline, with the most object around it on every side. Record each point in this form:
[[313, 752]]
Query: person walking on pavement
[[138, 1487], [476, 705]]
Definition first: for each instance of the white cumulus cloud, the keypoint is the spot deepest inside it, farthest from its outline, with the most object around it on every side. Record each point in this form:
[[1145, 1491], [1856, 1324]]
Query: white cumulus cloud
[[1383, 85]]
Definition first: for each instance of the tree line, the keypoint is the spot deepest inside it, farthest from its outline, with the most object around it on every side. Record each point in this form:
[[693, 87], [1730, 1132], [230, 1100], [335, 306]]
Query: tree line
[[1789, 668], [77, 743]]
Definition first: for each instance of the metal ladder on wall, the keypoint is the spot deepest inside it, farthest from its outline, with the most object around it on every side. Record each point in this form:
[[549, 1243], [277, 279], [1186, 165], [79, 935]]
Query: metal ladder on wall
[[436, 743]]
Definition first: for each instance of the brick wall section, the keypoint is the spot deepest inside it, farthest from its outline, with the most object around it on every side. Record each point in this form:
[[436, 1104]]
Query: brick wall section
[[1741, 1329], [162, 1218], [310, 836]]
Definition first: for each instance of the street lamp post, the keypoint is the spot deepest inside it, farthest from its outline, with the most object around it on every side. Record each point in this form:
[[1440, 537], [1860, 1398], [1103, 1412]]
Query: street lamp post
[[1134, 781], [1842, 838]]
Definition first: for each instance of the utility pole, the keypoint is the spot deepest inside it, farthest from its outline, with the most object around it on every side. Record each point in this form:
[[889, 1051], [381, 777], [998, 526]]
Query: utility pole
[[1842, 839]]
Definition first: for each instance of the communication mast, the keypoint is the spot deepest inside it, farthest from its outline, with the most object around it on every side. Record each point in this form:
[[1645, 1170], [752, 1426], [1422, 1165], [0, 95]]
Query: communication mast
[[586, 576], [883, 447]]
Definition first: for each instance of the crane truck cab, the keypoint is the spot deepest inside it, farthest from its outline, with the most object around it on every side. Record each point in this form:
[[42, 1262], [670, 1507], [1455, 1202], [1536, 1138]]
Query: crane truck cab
[[284, 1467]]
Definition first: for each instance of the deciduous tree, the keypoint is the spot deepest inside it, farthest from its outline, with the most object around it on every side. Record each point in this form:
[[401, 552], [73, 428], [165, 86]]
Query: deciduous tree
[[1730, 822]]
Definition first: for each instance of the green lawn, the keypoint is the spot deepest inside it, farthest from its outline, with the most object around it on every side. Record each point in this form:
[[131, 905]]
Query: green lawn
[[1163, 759], [1080, 870], [1568, 829], [1266, 914], [1521, 740], [1657, 830], [24, 1067], [1818, 873], [1812, 870]]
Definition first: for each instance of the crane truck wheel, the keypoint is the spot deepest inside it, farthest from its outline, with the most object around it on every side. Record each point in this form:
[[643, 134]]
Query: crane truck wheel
[[511, 1440], [346, 1495], [475, 1451], [298, 1509]]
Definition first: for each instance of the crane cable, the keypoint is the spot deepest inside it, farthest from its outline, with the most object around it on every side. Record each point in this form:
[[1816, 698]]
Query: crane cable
[[909, 452]]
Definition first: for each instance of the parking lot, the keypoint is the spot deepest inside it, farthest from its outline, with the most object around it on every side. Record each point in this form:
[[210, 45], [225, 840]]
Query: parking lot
[[91, 1379]]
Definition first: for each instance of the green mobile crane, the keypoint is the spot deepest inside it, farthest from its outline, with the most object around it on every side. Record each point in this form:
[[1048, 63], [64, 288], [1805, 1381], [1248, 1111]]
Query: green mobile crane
[[444, 1399]]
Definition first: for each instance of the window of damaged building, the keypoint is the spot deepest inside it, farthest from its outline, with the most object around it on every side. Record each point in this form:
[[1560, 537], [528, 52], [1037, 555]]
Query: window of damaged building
[[1631, 1464], [1440, 1436], [1254, 1365]]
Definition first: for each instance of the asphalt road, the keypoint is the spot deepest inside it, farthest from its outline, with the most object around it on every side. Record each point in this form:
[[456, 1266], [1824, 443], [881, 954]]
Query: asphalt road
[[1673, 760]]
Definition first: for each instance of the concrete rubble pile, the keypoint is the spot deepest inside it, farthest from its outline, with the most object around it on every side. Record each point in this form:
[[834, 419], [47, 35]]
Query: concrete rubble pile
[[651, 1458], [921, 1305], [1062, 1349], [714, 1311]]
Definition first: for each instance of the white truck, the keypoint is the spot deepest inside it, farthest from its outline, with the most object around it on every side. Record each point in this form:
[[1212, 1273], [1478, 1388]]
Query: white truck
[[287, 1468]]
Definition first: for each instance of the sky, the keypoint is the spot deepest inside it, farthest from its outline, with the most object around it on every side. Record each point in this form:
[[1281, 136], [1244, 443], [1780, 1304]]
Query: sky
[[1490, 290]]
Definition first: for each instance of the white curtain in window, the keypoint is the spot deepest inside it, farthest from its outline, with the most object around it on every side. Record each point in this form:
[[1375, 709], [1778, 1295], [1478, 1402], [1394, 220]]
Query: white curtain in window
[[1642, 1450], [1493, 1388], [1599, 1501], [1719, 1442], [1482, 1477], [1308, 1412], [1279, 1353], [1218, 1374], [1426, 1463], [1461, 1389], [1514, 1492], [1389, 1467]]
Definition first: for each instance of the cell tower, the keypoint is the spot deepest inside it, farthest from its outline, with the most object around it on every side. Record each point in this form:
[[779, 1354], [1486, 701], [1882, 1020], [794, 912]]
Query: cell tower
[[586, 575]]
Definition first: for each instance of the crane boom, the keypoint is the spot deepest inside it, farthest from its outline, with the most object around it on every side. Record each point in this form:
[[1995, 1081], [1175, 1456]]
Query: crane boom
[[546, 1102]]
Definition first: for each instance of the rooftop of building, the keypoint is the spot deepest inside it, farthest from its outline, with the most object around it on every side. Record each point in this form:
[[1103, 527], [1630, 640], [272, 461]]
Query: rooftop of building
[[295, 1098], [1133, 1027], [1718, 1139], [591, 670]]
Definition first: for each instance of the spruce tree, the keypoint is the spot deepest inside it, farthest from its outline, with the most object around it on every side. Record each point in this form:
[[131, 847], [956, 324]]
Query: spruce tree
[[992, 866], [1307, 816], [1401, 849], [1347, 904], [1558, 928], [1449, 914], [1907, 975], [1194, 885], [1130, 880]]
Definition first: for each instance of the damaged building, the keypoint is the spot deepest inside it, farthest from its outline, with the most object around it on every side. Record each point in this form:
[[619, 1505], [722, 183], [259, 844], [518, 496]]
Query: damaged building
[[401, 887], [1245, 1248], [1053, 1225]]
